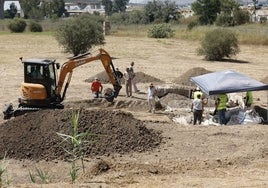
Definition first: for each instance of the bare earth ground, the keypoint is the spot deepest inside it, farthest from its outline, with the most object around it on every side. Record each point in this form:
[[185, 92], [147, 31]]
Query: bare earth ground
[[140, 149]]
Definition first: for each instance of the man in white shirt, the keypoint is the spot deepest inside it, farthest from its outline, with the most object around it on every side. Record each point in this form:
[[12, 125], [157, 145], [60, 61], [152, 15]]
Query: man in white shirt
[[197, 109], [128, 83], [133, 77]]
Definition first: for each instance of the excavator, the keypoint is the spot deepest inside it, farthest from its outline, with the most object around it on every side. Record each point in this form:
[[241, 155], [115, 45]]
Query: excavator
[[44, 87]]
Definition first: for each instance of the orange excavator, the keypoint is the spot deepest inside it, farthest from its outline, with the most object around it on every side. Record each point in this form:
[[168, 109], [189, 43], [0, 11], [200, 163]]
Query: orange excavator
[[44, 87]]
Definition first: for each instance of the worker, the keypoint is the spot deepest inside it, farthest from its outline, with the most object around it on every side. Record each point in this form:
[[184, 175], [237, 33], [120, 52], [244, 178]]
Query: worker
[[128, 82], [221, 105], [248, 99], [197, 109], [133, 77], [204, 100], [151, 98], [119, 75], [96, 88]]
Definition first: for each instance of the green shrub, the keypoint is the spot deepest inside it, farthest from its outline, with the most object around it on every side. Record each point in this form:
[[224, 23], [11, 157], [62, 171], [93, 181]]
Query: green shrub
[[224, 20], [17, 25], [192, 24], [217, 44], [160, 31], [35, 27], [241, 17], [119, 18], [263, 19]]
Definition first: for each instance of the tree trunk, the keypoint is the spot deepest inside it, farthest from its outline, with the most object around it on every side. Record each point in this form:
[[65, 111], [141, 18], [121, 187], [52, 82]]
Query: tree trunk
[[2, 9]]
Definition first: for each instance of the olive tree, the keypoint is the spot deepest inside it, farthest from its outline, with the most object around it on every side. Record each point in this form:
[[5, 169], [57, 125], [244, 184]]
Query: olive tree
[[217, 44], [78, 35]]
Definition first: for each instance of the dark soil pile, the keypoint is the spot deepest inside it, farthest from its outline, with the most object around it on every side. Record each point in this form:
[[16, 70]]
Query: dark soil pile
[[34, 135], [184, 79], [140, 78]]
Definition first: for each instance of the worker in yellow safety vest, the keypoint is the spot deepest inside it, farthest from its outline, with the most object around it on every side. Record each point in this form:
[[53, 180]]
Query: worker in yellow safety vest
[[198, 92], [221, 105], [249, 99]]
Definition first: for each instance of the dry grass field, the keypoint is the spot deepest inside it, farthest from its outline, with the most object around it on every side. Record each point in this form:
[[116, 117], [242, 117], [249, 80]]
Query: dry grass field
[[190, 156]]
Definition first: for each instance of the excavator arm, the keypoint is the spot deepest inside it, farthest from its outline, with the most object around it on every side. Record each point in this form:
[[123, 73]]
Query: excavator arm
[[67, 70]]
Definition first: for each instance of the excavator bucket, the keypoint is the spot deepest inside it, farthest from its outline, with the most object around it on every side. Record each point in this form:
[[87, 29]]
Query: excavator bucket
[[8, 111], [109, 94]]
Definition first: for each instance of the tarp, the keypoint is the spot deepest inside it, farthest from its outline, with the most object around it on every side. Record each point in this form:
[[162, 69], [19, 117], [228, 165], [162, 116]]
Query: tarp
[[227, 81]]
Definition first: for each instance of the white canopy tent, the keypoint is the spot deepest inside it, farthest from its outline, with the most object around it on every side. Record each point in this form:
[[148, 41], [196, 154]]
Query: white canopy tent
[[228, 81]]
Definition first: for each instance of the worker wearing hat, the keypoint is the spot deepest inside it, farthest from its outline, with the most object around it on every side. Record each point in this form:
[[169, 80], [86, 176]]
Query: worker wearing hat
[[96, 88], [198, 92], [151, 97], [198, 96]]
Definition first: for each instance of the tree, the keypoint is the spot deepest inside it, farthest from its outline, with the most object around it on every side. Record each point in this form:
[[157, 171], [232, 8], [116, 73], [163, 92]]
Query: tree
[[11, 12], [120, 5], [207, 10], [57, 7], [108, 7], [31, 8], [170, 11], [52, 9], [217, 44], [2, 9], [78, 35], [241, 17], [158, 11], [37, 9], [115, 6], [228, 9]]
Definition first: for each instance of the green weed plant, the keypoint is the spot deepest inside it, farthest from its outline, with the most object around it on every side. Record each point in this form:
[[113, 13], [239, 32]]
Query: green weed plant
[[78, 143], [42, 175]]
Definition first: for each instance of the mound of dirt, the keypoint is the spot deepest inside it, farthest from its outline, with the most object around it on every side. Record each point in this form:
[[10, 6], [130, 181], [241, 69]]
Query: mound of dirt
[[265, 80], [140, 78], [175, 101], [34, 135], [184, 79], [134, 104]]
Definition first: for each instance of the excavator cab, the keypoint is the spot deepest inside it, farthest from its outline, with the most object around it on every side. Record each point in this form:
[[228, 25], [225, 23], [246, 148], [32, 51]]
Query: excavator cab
[[40, 82]]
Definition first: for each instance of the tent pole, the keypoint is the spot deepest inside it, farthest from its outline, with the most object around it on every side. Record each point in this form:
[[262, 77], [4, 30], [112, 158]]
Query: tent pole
[[267, 108]]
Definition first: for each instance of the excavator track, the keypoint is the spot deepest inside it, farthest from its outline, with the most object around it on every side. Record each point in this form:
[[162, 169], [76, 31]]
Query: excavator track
[[11, 112]]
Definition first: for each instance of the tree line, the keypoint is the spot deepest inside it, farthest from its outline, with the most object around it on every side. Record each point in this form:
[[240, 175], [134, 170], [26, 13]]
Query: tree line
[[206, 12]]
